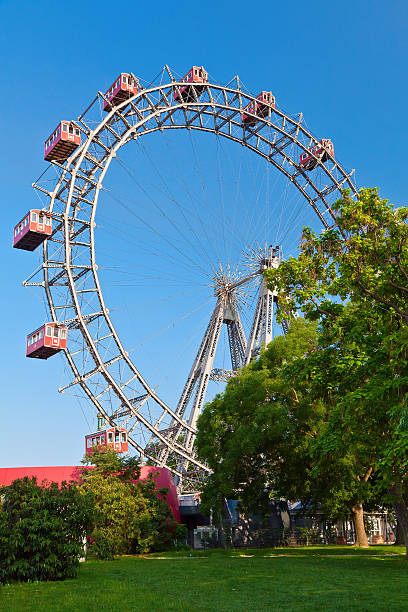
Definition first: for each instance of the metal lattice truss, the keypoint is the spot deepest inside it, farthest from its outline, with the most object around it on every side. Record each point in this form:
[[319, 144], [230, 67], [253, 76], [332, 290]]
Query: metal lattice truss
[[267, 306], [193, 395], [227, 288], [100, 365]]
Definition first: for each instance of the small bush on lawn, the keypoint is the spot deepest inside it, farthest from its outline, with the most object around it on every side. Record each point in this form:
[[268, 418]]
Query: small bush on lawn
[[180, 538], [42, 530], [133, 516]]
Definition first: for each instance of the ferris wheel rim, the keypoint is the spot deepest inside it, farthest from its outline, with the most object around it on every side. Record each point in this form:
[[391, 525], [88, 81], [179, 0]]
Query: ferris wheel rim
[[72, 168]]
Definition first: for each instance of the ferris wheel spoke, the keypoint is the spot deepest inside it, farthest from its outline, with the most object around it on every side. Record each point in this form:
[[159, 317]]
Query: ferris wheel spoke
[[160, 235], [179, 231]]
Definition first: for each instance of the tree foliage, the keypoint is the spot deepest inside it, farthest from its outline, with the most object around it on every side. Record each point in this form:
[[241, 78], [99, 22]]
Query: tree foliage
[[42, 530], [254, 435], [353, 279], [344, 403], [268, 434], [133, 516]]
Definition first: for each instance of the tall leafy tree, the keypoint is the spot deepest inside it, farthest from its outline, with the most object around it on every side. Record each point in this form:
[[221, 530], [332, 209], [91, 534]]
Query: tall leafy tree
[[266, 435], [327, 424], [353, 280]]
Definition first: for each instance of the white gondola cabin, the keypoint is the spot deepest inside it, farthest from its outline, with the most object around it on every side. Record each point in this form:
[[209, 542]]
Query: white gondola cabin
[[46, 341], [32, 230]]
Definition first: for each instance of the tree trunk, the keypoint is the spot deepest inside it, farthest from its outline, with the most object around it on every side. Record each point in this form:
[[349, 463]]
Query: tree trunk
[[401, 513], [359, 527], [399, 535]]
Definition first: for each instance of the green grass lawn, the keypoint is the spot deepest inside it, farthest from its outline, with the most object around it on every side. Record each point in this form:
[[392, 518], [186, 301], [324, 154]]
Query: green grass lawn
[[314, 578]]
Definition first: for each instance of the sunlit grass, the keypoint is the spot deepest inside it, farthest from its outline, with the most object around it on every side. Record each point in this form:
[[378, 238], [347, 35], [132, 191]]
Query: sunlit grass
[[313, 578]]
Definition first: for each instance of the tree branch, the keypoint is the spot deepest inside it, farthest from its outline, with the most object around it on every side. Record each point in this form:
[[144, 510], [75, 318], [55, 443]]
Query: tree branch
[[377, 298]]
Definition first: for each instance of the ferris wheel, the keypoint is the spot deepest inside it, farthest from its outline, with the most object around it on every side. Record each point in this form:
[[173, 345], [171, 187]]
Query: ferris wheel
[[81, 325]]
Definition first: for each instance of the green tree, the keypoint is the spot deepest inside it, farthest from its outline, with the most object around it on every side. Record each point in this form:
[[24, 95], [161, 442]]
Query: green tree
[[353, 280], [133, 516], [250, 436], [267, 435], [341, 407], [42, 530]]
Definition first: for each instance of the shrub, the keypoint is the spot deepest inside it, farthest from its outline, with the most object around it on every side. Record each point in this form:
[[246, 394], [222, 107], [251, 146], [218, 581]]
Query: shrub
[[133, 516], [42, 530], [180, 538]]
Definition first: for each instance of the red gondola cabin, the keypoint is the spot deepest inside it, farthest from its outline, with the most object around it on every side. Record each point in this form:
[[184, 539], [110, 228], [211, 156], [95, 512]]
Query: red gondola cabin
[[122, 89], [323, 150], [32, 230], [62, 142], [196, 76], [264, 101], [46, 341], [111, 437]]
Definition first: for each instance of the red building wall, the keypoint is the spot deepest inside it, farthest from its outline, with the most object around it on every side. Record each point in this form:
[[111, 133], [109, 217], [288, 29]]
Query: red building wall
[[72, 473]]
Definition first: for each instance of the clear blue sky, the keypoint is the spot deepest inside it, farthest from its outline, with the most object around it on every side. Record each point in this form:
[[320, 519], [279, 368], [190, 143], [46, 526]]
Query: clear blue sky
[[344, 65]]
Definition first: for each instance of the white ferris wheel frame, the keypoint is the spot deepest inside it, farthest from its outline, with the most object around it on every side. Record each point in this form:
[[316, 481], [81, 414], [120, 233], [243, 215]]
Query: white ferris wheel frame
[[69, 260]]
